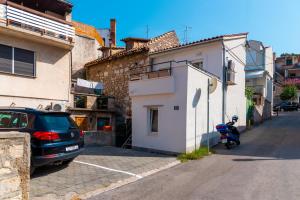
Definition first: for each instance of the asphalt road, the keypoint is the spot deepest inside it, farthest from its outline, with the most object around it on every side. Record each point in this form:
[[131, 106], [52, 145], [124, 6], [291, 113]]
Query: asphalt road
[[265, 167]]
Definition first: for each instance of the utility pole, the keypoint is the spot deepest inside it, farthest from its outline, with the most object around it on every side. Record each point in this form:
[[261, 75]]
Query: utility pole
[[185, 33]]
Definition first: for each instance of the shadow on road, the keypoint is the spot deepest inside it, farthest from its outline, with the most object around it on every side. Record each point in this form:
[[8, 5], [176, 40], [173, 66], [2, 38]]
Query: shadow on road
[[48, 169], [114, 151], [276, 139]]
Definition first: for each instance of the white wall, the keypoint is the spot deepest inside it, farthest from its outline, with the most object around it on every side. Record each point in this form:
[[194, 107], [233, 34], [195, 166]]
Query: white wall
[[105, 34], [85, 50], [52, 81], [235, 97], [162, 85], [255, 55], [171, 123], [197, 122], [210, 53], [269, 61], [177, 128]]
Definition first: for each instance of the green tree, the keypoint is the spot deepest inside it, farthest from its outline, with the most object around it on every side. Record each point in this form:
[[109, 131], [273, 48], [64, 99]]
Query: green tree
[[289, 93], [249, 91]]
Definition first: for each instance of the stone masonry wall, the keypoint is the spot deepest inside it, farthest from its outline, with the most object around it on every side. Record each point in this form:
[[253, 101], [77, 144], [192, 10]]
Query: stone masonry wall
[[14, 165], [164, 41], [114, 75]]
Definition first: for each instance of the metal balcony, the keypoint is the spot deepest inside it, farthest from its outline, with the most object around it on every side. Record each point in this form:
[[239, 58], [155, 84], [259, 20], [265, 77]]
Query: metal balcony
[[31, 20]]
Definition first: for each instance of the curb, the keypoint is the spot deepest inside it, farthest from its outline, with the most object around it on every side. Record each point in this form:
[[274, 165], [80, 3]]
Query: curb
[[126, 181]]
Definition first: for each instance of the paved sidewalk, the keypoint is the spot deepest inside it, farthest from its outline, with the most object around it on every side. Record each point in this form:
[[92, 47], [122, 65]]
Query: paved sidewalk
[[96, 168]]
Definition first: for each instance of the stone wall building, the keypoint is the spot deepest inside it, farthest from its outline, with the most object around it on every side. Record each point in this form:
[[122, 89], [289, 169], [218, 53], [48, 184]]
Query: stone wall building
[[113, 69], [14, 165]]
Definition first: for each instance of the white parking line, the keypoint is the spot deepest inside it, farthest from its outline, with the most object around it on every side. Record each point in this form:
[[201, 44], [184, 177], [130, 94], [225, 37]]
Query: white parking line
[[110, 169]]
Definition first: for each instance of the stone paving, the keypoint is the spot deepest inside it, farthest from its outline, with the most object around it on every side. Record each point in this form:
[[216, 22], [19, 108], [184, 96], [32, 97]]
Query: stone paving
[[58, 182]]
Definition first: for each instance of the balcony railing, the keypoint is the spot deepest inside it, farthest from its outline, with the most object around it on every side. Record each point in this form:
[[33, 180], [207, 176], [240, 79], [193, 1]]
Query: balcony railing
[[292, 81], [151, 71], [31, 21]]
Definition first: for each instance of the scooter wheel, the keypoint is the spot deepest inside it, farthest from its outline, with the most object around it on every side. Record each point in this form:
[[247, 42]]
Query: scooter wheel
[[227, 146], [238, 143]]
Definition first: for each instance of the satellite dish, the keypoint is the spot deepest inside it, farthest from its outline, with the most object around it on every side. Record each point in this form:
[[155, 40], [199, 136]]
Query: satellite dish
[[197, 97], [213, 83]]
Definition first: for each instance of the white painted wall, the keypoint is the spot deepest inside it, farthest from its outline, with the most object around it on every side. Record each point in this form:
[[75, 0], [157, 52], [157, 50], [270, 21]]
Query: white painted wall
[[235, 97], [177, 128], [269, 61], [52, 81], [197, 116], [105, 34], [171, 123], [210, 53], [85, 50], [162, 85]]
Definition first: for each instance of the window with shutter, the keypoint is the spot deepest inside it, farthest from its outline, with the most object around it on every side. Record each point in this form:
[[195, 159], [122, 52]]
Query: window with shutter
[[5, 58], [23, 62]]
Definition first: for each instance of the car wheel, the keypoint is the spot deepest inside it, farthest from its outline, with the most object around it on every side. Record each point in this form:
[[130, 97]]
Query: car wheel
[[67, 162], [32, 169]]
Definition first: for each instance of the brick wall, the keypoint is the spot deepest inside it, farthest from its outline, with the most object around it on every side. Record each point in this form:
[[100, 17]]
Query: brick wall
[[14, 165]]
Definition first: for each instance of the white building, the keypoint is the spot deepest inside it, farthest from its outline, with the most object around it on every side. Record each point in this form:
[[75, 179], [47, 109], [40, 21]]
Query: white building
[[164, 115], [259, 75], [35, 53]]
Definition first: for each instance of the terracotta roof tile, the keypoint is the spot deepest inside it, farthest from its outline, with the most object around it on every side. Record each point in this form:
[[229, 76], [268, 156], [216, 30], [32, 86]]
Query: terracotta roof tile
[[199, 42], [117, 55], [125, 52]]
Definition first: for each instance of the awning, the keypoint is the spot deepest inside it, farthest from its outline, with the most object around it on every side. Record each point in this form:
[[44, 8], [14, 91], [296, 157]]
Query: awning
[[255, 74]]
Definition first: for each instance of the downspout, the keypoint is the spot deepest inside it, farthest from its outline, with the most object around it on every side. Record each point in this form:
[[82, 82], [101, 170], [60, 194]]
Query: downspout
[[224, 86], [70, 78]]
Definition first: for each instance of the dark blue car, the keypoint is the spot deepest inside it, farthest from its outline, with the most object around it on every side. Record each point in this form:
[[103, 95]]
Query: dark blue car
[[55, 138]]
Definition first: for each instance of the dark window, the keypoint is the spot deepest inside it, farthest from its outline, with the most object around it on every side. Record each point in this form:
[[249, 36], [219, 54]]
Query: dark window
[[289, 61], [80, 101], [154, 120], [5, 58], [14, 120], [23, 62], [57, 122], [198, 64], [293, 75], [17, 61], [102, 122]]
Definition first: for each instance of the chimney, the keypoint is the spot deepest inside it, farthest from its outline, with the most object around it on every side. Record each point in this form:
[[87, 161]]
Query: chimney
[[113, 30]]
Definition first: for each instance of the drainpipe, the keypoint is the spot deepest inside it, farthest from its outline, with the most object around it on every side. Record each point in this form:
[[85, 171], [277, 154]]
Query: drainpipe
[[224, 86]]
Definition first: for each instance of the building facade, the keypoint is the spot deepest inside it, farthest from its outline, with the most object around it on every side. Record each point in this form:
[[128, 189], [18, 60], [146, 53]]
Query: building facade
[[113, 69], [288, 65], [170, 96], [35, 53], [259, 76]]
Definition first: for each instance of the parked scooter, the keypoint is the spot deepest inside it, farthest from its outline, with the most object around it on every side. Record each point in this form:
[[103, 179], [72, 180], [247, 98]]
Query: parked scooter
[[230, 135]]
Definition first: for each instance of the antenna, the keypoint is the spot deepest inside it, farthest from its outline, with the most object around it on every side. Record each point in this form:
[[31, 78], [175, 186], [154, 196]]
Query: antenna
[[186, 32], [147, 31]]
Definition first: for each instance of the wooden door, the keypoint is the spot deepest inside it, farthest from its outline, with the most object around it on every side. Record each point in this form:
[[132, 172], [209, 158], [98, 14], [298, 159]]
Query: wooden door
[[82, 123]]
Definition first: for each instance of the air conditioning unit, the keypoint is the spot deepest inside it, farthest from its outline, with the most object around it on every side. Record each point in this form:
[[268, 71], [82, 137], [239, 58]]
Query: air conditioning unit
[[230, 73], [59, 107]]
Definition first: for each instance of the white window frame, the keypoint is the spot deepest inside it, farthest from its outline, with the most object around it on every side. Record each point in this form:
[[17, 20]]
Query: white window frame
[[150, 125]]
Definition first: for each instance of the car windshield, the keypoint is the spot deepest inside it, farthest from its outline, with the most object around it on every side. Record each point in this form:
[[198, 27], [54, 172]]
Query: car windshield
[[57, 122]]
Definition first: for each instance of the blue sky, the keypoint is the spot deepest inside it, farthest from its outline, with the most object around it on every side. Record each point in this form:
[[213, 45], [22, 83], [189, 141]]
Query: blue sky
[[275, 22]]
